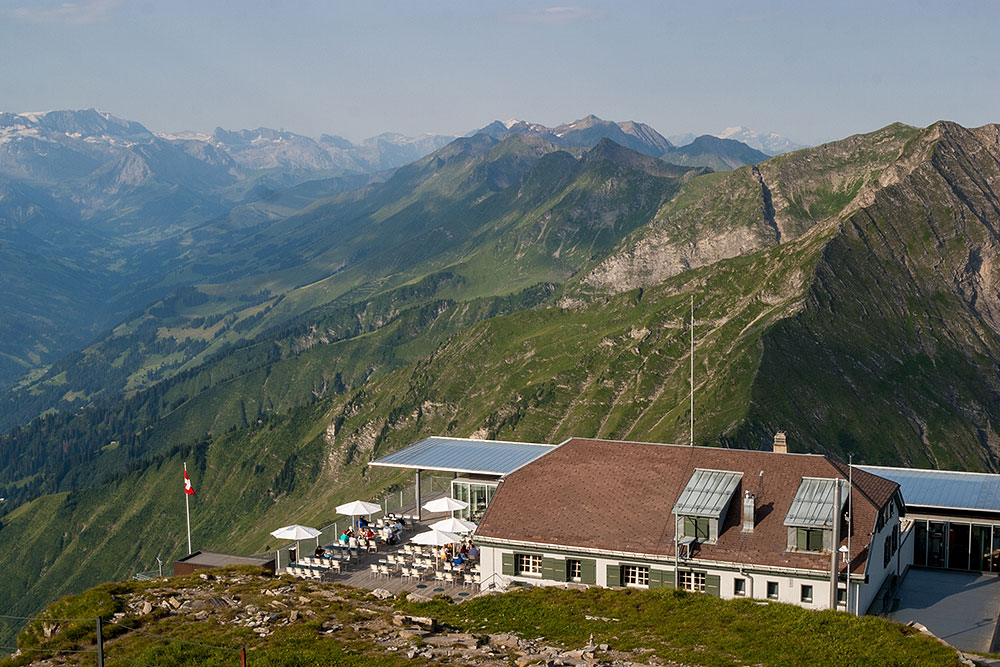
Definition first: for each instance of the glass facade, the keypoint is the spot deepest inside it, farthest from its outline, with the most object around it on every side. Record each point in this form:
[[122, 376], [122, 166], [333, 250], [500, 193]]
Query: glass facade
[[477, 493], [956, 545]]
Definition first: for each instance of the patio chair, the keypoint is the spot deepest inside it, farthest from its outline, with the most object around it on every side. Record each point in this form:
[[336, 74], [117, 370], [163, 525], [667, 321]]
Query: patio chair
[[384, 571], [374, 569]]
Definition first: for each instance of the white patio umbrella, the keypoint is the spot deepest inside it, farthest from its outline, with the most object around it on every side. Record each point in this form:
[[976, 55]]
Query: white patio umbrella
[[454, 525], [295, 532], [437, 538], [358, 508], [445, 504]]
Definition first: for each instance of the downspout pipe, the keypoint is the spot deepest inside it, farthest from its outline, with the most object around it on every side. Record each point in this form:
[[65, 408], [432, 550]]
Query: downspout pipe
[[835, 547]]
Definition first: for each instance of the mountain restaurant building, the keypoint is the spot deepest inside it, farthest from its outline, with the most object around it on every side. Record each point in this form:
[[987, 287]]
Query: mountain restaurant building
[[731, 523]]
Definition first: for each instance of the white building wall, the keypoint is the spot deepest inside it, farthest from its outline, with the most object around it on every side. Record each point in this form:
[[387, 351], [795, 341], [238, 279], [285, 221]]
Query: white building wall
[[863, 595], [789, 586]]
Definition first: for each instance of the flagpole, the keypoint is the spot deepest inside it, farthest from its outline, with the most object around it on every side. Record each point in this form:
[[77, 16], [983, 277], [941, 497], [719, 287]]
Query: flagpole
[[187, 509]]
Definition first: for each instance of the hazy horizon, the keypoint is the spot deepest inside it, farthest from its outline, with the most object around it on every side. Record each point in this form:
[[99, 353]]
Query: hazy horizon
[[357, 70]]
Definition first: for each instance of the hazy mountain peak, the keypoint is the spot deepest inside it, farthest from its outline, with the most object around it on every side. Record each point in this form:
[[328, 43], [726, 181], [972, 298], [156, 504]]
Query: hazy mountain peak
[[771, 143]]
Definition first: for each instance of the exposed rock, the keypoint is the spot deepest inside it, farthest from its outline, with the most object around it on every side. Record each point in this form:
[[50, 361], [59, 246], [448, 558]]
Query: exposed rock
[[382, 594]]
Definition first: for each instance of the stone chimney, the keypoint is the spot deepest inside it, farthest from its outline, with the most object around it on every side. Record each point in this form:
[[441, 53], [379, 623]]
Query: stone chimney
[[780, 443], [749, 507]]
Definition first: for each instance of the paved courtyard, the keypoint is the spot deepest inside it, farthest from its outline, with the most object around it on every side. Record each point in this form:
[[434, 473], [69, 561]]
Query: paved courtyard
[[961, 608]]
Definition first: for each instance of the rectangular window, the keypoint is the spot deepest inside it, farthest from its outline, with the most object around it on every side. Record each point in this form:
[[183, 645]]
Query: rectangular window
[[841, 597], [635, 575], [693, 581], [772, 590], [809, 539], [807, 593], [697, 527], [739, 587], [528, 565], [574, 570]]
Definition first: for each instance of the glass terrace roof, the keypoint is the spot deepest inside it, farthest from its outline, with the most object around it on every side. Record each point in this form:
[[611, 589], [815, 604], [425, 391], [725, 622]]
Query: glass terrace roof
[[813, 503], [944, 488], [707, 493], [484, 457]]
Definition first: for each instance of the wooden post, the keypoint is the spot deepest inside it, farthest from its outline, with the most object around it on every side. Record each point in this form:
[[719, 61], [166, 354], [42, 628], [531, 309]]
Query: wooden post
[[100, 644], [243, 657]]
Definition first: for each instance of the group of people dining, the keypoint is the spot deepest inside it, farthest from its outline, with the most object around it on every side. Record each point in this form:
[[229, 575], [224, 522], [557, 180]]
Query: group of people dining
[[458, 557], [366, 535]]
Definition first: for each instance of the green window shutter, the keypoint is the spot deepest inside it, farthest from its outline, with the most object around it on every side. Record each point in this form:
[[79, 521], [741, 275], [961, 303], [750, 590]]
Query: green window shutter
[[553, 569], [667, 578], [689, 527], [507, 564], [588, 571], [815, 540], [655, 578], [801, 539], [702, 529], [713, 583], [614, 575]]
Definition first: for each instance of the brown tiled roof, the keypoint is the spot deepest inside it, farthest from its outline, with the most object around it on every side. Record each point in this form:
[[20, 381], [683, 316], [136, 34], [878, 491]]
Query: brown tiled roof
[[618, 496]]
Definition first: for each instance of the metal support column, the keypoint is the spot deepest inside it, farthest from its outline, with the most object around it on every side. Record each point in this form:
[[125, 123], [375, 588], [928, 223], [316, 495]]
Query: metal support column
[[419, 517]]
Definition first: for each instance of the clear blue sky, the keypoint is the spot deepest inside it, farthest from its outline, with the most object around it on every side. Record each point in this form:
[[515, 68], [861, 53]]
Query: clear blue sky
[[810, 70]]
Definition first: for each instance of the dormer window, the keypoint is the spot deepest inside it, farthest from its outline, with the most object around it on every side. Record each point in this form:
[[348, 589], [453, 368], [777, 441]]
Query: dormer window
[[704, 502], [810, 517]]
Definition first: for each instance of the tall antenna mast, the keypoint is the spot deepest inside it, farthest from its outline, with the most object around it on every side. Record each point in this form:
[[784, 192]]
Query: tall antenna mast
[[691, 436]]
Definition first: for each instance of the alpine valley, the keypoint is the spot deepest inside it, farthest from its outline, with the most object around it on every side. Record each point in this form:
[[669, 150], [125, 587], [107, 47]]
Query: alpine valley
[[278, 310]]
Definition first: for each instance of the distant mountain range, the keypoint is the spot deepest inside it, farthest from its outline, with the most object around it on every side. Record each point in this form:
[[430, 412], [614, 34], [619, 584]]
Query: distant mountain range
[[705, 151]]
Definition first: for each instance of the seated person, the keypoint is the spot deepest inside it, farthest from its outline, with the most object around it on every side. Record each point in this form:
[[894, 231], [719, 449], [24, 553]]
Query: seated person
[[362, 522], [369, 535], [344, 537], [457, 560], [320, 552], [473, 551], [464, 550], [386, 532]]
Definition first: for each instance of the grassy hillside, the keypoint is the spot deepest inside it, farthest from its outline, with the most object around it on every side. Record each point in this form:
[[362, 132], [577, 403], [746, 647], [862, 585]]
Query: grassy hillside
[[315, 624]]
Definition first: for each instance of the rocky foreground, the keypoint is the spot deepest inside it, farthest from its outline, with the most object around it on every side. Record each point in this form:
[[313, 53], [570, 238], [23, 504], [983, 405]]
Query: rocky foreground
[[209, 618]]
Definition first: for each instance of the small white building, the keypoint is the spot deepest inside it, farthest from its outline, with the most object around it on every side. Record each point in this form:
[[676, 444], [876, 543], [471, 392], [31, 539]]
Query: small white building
[[731, 523]]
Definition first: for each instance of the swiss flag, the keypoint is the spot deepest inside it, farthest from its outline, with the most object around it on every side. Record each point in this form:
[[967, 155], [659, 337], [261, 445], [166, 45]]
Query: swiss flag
[[187, 484]]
